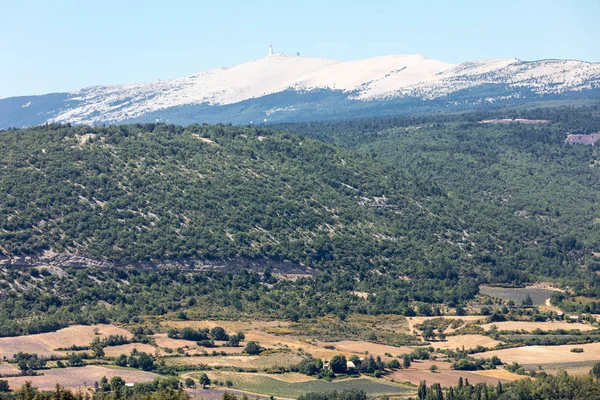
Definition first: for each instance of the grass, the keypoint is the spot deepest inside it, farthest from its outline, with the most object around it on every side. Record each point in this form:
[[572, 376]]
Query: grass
[[263, 384]]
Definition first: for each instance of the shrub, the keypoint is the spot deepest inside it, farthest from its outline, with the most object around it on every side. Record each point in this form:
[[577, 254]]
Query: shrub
[[576, 350], [338, 364], [190, 383], [252, 348]]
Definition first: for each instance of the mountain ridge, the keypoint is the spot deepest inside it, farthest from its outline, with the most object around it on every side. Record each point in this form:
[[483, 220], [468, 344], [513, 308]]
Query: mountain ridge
[[349, 84]]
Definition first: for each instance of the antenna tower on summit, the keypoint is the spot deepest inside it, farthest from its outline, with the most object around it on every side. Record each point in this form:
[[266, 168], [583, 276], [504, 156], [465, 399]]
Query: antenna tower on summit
[[270, 49]]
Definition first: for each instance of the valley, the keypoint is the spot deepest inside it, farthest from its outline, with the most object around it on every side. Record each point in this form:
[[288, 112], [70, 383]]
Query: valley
[[289, 363]]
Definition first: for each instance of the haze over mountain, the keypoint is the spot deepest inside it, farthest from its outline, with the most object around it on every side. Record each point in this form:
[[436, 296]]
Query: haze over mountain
[[281, 87]]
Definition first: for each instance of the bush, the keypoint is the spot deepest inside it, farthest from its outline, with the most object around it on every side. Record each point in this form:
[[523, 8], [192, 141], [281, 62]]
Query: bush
[[234, 341], [190, 383], [252, 348], [309, 366], [576, 350], [338, 364], [595, 371], [218, 333]]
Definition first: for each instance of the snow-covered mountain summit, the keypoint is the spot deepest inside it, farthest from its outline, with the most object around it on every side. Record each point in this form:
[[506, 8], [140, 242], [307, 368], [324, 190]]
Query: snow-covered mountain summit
[[379, 79]]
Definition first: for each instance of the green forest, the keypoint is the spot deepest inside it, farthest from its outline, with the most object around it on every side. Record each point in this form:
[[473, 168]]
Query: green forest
[[415, 210]]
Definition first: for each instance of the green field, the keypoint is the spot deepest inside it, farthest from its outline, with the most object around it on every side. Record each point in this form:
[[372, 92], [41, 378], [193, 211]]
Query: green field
[[538, 296], [262, 384]]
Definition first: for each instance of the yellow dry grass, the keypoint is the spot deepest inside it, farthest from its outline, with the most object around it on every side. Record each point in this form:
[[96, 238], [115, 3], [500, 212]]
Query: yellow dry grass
[[79, 335], [413, 321], [545, 326], [115, 351], [9, 369], [229, 326], [500, 373], [44, 344], [162, 340], [466, 341], [545, 354], [258, 362], [383, 322], [360, 347]]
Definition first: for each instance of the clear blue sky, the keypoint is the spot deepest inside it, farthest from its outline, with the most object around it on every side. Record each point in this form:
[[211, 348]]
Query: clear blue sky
[[61, 45]]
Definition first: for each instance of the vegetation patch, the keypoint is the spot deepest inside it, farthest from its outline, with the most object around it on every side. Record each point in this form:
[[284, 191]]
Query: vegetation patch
[[267, 385]]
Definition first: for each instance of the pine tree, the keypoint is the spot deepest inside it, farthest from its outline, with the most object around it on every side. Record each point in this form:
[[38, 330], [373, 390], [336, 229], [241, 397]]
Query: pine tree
[[422, 391], [450, 395]]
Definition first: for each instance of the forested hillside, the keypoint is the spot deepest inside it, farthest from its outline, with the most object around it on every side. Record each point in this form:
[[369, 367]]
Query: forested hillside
[[416, 210], [516, 185]]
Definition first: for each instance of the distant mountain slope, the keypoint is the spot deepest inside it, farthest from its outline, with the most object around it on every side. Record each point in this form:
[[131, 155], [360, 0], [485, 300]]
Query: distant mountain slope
[[316, 88]]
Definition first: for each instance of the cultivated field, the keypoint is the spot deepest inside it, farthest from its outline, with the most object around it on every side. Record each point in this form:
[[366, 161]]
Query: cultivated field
[[545, 326], [538, 295], [273, 385], [444, 378], [79, 377], [362, 348], [500, 373], [282, 359], [162, 340], [466, 341], [537, 355], [9, 369], [115, 351], [419, 370], [44, 344]]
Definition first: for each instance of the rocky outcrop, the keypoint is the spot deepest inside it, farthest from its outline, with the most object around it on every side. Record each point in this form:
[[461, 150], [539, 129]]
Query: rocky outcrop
[[233, 265]]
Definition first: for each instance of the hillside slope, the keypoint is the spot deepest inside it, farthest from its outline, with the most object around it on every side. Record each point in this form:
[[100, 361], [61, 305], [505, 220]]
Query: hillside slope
[[160, 194], [135, 193], [517, 185]]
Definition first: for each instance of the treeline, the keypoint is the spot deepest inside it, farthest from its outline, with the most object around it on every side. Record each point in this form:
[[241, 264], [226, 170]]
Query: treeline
[[547, 387], [37, 306], [167, 388]]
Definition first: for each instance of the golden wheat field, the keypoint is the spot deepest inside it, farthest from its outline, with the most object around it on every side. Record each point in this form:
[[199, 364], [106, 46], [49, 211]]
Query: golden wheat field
[[45, 344], [545, 354]]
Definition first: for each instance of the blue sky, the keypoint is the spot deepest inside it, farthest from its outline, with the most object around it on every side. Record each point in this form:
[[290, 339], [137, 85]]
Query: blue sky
[[61, 45]]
